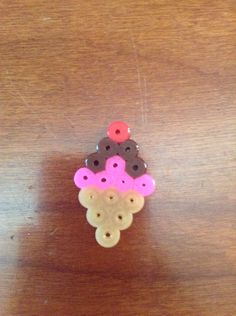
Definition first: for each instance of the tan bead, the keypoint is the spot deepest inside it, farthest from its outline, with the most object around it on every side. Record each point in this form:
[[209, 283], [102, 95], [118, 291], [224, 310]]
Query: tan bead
[[96, 216], [110, 211], [133, 201], [107, 237], [89, 197]]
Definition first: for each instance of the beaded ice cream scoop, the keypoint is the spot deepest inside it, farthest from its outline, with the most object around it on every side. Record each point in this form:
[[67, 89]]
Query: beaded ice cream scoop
[[113, 184]]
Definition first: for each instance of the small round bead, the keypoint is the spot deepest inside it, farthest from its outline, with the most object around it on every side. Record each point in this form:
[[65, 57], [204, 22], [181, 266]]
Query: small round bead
[[145, 185], [133, 202], [110, 197], [89, 197], [95, 162], [108, 147], [115, 166], [124, 182], [102, 180], [118, 131], [107, 237], [84, 178], [122, 218], [96, 216], [128, 149], [136, 167]]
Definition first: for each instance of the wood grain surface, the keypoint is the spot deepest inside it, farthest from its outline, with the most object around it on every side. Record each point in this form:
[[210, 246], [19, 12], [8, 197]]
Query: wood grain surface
[[168, 69]]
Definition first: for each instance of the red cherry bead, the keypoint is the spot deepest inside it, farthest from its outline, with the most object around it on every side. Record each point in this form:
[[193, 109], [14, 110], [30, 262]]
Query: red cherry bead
[[118, 131]]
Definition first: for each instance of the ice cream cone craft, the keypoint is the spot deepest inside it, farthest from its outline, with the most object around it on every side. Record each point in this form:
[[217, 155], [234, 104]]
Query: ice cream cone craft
[[113, 184]]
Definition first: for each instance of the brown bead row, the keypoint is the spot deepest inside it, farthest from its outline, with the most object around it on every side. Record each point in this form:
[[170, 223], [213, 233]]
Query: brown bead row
[[128, 150]]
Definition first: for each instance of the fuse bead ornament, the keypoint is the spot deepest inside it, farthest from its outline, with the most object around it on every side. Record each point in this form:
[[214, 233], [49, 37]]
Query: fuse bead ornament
[[113, 184]]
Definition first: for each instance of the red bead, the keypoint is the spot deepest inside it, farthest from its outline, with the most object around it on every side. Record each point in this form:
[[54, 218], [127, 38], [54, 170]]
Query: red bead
[[118, 131]]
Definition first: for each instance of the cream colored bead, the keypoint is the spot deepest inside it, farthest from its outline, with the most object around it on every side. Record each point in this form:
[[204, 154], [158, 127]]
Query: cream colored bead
[[96, 216], [111, 197], [107, 237], [133, 201], [89, 197], [122, 219]]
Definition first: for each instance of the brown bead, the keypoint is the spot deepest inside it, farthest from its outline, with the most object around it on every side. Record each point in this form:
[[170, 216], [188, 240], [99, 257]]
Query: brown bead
[[95, 162], [107, 147], [136, 167], [128, 149]]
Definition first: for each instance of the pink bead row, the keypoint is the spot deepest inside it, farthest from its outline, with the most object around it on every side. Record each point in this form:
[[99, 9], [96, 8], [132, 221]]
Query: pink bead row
[[114, 175]]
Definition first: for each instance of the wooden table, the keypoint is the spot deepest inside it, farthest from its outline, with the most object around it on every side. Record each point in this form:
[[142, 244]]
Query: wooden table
[[168, 69]]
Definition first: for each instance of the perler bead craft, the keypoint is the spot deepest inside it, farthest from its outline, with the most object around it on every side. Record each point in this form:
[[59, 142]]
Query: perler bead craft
[[113, 184]]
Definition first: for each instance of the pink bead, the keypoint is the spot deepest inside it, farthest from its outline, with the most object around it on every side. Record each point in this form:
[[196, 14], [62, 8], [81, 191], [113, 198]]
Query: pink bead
[[145, 185], [115, 165], [102, 180], [84, 177], [124, 182]]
